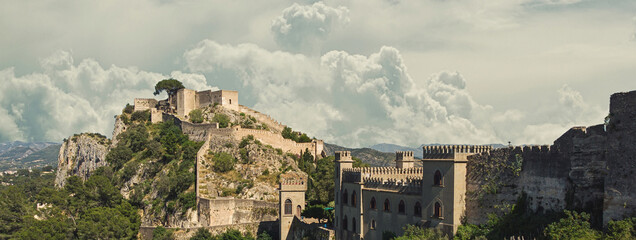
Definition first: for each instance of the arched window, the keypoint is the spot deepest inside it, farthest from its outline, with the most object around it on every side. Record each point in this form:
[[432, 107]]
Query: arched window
[[288, 206], [298, 211], [345, 223], [345, 198], [230, 101], [401, 207], [387, 205], [372, 226], [353, 199], [417, 210], [438, 210], [372, 204], [353, 224], [437, 180]]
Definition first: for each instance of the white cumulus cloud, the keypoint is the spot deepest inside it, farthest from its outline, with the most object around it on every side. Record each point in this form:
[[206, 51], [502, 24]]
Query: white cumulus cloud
[[301, 27]]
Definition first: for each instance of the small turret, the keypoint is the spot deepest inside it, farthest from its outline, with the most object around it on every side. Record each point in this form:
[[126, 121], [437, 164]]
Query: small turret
[[404, 159]]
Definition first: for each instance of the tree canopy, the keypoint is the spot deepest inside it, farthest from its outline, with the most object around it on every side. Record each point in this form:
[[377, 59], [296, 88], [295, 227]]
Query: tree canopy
[[171, 86]]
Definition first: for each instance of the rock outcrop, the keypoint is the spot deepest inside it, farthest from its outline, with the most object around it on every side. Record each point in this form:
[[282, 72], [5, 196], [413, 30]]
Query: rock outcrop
[[80, 155]]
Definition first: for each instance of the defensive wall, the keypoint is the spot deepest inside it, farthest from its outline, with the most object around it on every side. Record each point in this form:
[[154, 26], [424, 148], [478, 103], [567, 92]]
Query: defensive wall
[[270, 227], [303, 230], [264, 118], [227, 211]]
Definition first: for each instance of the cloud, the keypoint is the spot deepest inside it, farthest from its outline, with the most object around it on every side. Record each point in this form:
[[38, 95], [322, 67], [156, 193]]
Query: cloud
[[301, 27], [68, 97]]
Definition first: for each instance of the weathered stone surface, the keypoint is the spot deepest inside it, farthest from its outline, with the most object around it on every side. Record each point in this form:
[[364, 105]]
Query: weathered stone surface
[[79, 156]]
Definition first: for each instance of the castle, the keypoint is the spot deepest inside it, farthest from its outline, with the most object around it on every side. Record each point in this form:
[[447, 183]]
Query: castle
[[586, 169]]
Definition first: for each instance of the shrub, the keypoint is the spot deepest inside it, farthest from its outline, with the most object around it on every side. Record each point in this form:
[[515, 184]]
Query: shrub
[[141, 116], [222, 119], [223, 162], [119, 155], [196, 116], [128, 109], [303, 138], [135, 137], [202, 234], [161, 233], [572, 226]]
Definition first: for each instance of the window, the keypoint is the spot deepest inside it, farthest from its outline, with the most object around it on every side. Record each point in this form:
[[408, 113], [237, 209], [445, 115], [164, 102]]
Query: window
[[230, 101], [372, 226], [345, 223], [417, 210], [387, 205], [353, 199], [401, 207], [438, 210], [288, 206], [372, 204], [345, 198], [353, 225], [437, 180], [298, 211]]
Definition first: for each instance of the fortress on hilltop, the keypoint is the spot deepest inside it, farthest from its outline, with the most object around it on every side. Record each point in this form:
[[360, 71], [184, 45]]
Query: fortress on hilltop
[[589, 169]]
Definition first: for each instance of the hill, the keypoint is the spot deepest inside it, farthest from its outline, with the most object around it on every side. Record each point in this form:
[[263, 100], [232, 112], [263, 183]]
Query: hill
[[367, 155], [19, 155]]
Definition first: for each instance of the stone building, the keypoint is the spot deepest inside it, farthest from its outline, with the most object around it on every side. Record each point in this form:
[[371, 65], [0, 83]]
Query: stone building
[[373, 200], [292, 201], [186, 100]]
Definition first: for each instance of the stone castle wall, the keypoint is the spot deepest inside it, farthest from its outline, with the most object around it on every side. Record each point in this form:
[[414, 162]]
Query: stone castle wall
[[271, 123], [142, 104], [218, 212]]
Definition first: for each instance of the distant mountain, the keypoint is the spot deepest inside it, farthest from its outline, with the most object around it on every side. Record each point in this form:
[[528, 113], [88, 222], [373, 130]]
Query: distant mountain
[[367, 155], [417, 152], [17, 155]]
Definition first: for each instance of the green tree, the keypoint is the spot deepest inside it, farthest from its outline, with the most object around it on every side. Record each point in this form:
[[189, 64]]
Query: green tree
[[223, 162], [303, 138], [202, 234], [222, 119], [54, 227], [135, 137], [573, 226], [128, 109], [263, 236], [142, 116], [118, 156], [170, 86], [321, 190], [315, 211], [161, 233], [196, 116], [412, 232], [623, 229]]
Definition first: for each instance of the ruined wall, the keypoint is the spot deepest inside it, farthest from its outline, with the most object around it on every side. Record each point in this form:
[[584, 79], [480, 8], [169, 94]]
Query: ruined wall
[[217, 212], [620, 190], [186, 100], [142, 104], [302, 230]]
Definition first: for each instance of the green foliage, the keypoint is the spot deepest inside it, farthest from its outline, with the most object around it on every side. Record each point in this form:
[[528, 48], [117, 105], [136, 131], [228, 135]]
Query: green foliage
[[171, 137], [202, 234], [140, 116], [134, 138], [418, 233], [128, 109], [321, 182], [196, 116], [264, 236], [223, 162], [315, 211], [287, 133], [572, 226], [161, 233], [388, 235], [303, 138], [118, 156], [222, 119], [357, 163], [170, 86], [624, 229]]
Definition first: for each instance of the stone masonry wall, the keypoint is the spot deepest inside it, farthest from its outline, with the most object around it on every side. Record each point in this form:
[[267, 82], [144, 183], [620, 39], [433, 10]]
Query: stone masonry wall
[[271, 123], [217, 212]]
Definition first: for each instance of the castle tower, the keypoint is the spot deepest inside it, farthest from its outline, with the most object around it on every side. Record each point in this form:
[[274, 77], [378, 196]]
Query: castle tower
[[343, 161], [292, 201], [404, 159]]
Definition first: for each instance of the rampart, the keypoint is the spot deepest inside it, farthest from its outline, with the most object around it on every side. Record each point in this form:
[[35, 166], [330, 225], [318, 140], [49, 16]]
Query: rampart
[[218, 212], [302, 230], [271, 123], [142, 104]]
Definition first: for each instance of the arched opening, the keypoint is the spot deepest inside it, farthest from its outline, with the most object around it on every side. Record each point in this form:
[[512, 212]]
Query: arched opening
[[417, 210], [353, 199], [401, 207], [353, 224], [298, 211], [230, 101], [372, 226], [288, 206], [438, 210], [387, 205], [372, 204], [437, 180], [345, 223], [345, 197]]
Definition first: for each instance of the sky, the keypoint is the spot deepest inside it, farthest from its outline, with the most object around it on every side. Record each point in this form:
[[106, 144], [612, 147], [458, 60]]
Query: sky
[[351, 72]]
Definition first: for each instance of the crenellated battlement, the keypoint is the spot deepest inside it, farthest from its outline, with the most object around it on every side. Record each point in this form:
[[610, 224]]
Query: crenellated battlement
[[359, 174], [293, 182], [409, 185], [343, 156], [449, 152]]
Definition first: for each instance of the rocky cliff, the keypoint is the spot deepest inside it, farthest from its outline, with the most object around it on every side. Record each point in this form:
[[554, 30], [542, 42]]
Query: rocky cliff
[[79, 155]]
